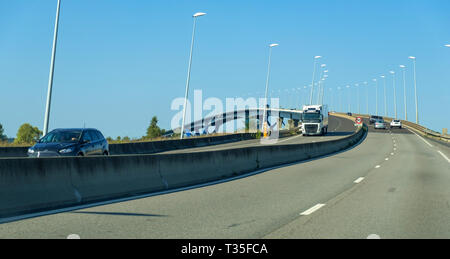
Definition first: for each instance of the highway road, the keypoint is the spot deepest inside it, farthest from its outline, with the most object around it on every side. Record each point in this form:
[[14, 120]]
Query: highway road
[[338, 128], [394, 184]]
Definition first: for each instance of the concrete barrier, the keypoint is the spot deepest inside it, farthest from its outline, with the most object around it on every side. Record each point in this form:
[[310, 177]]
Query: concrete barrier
[[13, 151], [167, 145], [149, 147], [31, 185]]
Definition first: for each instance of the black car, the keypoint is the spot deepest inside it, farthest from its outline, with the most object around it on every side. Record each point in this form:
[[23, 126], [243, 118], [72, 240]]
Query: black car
[[349, 114], [70, 142]]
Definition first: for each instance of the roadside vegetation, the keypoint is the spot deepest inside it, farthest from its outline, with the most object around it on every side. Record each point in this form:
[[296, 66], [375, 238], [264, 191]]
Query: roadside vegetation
[[27, 135]]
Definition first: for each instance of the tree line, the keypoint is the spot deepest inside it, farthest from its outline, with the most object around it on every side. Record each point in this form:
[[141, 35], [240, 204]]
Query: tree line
[[28, 134]]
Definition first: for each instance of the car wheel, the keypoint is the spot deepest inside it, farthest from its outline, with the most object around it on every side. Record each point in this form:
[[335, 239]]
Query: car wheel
[[80, 154], [105, 153]]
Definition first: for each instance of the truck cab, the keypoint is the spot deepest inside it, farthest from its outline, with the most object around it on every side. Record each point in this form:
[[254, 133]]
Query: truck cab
[[314, 120]]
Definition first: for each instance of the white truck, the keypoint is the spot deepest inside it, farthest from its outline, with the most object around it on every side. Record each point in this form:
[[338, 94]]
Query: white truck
[[314, 120]]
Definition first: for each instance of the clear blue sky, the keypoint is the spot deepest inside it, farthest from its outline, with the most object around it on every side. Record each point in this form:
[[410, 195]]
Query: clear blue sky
[[121, 62]]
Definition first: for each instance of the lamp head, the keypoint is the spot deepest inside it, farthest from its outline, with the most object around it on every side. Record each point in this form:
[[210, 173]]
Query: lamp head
[[198, 15]]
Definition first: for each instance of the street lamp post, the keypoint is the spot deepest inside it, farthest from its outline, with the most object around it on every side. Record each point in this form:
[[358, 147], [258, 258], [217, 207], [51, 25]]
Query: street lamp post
[[359, 104], [320, 83], [385, 101], [404, 91], [195, 16], [314, 75], [52, 69], [349, 97], [267, 88], [415, 89], [376, 96], [323, 89], [367, 97], [395, 94]]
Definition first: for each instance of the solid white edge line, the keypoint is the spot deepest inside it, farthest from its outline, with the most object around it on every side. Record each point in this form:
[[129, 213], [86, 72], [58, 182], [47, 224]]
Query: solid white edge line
[[421, 138], [360, 179], [312, 210], [444, 156]]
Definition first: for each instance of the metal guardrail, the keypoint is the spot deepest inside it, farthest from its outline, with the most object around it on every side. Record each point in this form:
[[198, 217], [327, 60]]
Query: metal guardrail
[[418, 128]]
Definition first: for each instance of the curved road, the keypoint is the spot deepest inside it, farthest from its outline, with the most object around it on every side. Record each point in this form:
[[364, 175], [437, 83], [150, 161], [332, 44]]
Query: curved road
[[337, 128], [392, 185]]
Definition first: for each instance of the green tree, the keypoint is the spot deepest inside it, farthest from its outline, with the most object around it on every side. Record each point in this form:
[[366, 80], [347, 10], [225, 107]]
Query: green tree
[[27, 134], [153, 131], [2, 137], [126, 139]]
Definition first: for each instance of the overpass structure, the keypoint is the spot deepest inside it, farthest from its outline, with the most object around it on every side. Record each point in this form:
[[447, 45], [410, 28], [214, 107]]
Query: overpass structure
[[218, 120]]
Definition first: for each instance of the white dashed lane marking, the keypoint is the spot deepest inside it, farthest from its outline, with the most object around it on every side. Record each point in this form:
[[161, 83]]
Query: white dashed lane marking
[[359, 180], [312, 210]]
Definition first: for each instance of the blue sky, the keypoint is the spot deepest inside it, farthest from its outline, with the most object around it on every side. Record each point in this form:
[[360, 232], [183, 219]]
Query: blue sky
[[121, 62]]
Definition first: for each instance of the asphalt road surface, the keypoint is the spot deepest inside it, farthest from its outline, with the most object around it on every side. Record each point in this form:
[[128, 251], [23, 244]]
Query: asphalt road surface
[[337, 128], [392, 185]]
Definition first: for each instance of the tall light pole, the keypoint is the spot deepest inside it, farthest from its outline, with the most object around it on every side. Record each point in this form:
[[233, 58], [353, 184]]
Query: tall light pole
[[349, 97], [332, 100], [385, 100], [322, 91], [340, 99], [376, 96], [395, 94], [359, 103], [314, 75], [403, 67], [319, 87], [195, 16], [52, 70], [367, 97], [415, 89], [267, 88]]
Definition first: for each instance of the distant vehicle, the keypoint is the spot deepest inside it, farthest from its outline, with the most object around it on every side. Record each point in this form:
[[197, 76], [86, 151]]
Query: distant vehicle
[[396, 124], [70, 142], [380, 124], [374, 118], [168, 134], [314, 120], [349, 114]]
